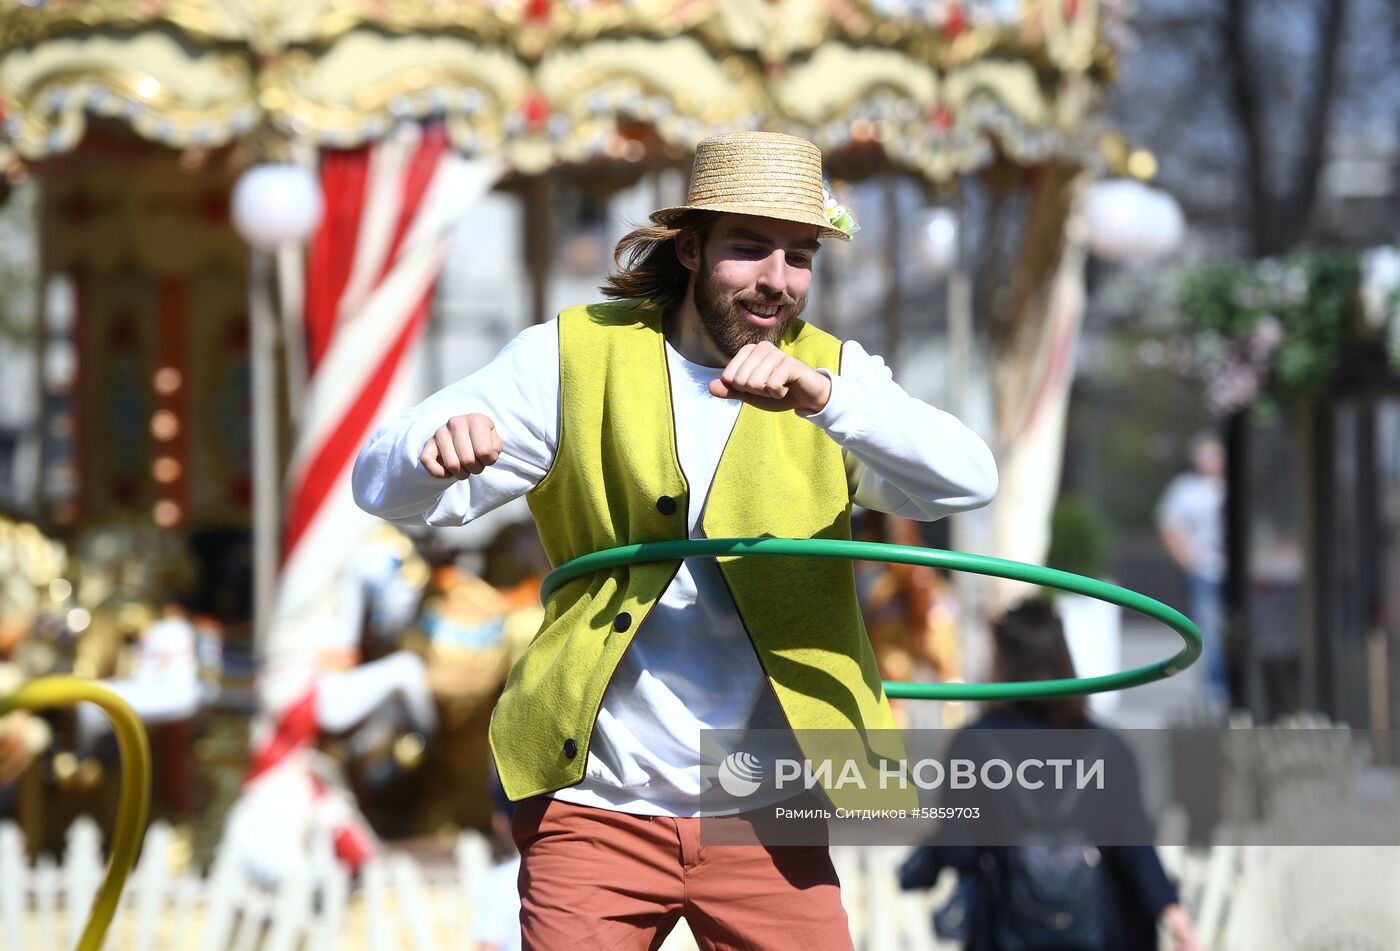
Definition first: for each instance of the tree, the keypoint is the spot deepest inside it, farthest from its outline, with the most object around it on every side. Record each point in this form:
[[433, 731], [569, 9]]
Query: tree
[[1250, 104]]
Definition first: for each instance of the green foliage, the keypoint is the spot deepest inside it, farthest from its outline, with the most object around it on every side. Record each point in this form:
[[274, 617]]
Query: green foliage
[[1078, 542], [1271, 331]]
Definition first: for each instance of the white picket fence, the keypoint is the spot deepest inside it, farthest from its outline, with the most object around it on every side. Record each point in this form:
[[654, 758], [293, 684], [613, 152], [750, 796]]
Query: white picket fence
[[44, 906], [1311, 773], [1243, 899], [395, 904]]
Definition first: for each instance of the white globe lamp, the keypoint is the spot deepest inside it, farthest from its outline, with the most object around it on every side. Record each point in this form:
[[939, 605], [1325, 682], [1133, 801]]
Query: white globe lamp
[[275, 204], [938, 239], [1125, 220]]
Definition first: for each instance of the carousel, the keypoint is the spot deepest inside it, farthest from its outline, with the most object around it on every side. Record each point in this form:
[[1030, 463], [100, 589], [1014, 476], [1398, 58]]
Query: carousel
[[245, 208]]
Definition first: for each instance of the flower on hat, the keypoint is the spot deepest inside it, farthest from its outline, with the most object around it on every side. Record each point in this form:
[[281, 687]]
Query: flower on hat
[[837, 214]]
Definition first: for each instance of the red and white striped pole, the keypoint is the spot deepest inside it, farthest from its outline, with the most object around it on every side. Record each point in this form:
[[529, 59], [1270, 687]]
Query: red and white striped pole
[[390, 208]]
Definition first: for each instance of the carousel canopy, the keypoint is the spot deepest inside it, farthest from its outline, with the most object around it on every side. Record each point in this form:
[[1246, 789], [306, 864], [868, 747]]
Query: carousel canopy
[[938, 87]]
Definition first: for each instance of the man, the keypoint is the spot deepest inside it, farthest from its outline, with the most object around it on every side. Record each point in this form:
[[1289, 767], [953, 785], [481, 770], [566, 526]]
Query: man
[[1190, 518], [697, 404]]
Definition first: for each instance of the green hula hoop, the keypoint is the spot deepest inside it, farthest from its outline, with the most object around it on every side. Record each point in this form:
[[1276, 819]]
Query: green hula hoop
[[933, 558]]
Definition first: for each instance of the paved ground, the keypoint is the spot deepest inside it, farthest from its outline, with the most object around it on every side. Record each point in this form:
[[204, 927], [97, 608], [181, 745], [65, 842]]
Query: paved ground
[[1174, 700]]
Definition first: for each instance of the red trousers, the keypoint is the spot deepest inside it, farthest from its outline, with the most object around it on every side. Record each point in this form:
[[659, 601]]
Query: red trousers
[[597, 879]]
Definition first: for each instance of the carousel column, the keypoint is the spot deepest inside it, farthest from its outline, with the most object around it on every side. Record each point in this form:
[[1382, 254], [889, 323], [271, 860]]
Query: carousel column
[[1033, 376], [1122, 220], [266, 464], [893, 317], [291, 269], [972, 400], [274, 208], [390, 208], [940, 241], [1118, 219], [539, 224]]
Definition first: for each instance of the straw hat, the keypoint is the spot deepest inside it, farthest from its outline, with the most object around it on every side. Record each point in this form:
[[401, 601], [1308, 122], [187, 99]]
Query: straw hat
[[758, 173]]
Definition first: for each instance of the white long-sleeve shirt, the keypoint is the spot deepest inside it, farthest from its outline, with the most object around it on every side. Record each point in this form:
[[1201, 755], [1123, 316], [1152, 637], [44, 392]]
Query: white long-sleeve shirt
[[690, 666]]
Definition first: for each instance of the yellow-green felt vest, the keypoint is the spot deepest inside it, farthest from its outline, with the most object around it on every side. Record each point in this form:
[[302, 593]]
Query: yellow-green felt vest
[[616, 480]]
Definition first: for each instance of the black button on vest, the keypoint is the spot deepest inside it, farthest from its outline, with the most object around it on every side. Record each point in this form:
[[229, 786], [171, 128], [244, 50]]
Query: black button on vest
[[570, 749], [666, 505], [622, 622]]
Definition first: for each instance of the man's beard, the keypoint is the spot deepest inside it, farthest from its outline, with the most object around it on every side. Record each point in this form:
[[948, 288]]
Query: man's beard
[[724, 319]]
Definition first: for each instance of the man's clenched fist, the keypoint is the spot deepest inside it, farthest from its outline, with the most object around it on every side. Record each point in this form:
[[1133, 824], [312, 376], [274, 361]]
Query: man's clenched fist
[[463, 446], [773, 380]]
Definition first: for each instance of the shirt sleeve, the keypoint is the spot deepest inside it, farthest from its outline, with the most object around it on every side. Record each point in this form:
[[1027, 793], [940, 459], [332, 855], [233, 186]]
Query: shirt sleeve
[[903, 456], [518, 391], [1169, 512]]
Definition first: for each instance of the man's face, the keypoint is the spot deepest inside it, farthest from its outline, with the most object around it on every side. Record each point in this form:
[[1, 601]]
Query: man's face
[[1210, 458], [751, 278]]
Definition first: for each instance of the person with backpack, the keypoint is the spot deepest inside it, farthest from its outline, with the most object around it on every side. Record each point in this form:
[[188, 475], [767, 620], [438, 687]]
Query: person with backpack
[[1051, 895]]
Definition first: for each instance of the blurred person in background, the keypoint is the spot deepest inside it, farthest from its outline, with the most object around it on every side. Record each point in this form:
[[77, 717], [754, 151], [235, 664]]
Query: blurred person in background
[[1106, 898], [1190, 520]]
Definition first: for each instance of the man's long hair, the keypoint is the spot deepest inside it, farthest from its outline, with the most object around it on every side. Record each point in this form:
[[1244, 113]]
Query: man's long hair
[[645, 262]]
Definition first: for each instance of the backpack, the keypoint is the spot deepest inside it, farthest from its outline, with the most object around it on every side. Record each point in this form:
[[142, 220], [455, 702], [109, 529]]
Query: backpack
[[1048, 896], [952, 922], [1050, 893]]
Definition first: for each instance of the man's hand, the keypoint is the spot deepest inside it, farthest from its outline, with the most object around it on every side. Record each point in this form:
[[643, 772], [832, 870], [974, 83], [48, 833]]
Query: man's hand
[[770, 379], [1178, 546], [463, 446]]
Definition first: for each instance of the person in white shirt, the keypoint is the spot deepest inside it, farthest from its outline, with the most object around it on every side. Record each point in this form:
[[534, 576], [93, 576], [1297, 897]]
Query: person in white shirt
[[1190, 520], [729, 275]]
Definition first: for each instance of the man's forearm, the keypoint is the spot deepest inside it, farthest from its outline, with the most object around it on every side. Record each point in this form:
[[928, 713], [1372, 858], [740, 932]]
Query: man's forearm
[[389, 481], [518, 391], [912, 458], [938, 464]]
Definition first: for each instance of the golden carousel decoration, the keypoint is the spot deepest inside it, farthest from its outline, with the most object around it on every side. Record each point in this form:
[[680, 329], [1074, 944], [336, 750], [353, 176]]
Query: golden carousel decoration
[[939, 88]]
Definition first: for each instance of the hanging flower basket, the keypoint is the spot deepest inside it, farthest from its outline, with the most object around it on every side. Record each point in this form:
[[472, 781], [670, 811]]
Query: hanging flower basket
[[1272, 332]]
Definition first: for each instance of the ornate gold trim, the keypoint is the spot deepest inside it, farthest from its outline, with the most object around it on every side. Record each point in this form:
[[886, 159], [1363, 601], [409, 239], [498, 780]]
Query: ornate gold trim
[[22, 25], [555, 89]]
